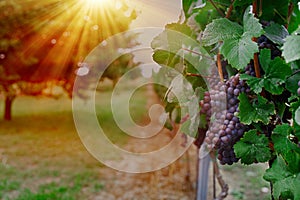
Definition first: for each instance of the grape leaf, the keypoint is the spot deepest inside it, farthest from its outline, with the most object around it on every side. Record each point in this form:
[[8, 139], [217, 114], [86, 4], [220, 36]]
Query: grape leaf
[[220, 30], [252, 27], [255, 84], [258, 110], [253, 148], [285, 183], [276, 33], [239, 52], [291, 47], [238, 47], [276, 72], [284, 146]]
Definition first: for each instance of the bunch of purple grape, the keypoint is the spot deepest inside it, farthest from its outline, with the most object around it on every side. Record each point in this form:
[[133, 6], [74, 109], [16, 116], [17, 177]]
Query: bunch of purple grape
[[220, 105]]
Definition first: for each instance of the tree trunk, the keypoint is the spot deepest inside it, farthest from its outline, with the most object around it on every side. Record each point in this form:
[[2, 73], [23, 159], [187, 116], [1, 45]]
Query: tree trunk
[[7, 107]]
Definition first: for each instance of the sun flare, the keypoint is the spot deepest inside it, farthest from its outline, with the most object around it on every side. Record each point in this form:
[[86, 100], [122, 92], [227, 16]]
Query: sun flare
[[96, 2]]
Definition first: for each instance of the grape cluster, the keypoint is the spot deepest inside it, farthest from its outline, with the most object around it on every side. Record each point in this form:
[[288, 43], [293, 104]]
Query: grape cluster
[[250, 70], [263, 42], [220, 105], [233, 129]]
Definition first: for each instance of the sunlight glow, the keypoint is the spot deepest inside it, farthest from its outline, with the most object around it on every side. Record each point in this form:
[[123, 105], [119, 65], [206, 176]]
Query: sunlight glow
[[96, 2]]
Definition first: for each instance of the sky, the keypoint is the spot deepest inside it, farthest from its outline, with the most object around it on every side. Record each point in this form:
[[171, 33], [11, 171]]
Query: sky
[[152, 13], [155, 13]]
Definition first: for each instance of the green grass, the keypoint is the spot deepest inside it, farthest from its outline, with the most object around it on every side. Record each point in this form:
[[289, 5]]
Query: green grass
[[137, 106], [250, 181], [41, 155]]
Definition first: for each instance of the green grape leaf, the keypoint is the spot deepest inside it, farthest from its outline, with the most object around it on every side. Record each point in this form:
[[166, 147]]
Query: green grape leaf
[[265, 58], [291, 47], [252, 27], [239, 52], [257, 111], [276, 72], [255, 84], [238, 47], [220, 30], [285, 183], [278, 170], [253, 148], [284, 146], [276, 33]]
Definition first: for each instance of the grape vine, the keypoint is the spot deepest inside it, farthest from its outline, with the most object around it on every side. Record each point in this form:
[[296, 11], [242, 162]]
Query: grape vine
[[251, 111]]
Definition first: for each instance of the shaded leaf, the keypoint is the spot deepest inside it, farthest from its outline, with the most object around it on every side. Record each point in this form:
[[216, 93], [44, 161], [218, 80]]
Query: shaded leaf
[[276, 33], [291, 47], [276, 72], [253, 148], [257, 111], [285, 183]]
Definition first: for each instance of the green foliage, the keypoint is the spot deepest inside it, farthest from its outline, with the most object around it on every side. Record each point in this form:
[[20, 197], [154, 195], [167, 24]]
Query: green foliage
[[275, 10], [283, 145], [291, 50], [242, 2], [238, 47], [260, 110], [239, 52], [220, 30], [285, 183], [253, 148], [187, 6], [276, 33], [292, 82], [272, 108], [205, 15], [276, 72], [294, 18]]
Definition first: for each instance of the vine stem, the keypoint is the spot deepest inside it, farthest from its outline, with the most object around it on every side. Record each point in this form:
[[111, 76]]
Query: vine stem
[[197, 53], [220, 70], [229, 10], [215, 6], [254, 7], [223, 185], [256, 66]]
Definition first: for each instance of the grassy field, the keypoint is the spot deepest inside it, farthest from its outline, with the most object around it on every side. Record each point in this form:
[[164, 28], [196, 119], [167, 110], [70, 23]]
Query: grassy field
[[42, 157]]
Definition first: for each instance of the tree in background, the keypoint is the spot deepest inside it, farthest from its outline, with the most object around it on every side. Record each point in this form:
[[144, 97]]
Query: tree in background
[[43, 43]]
